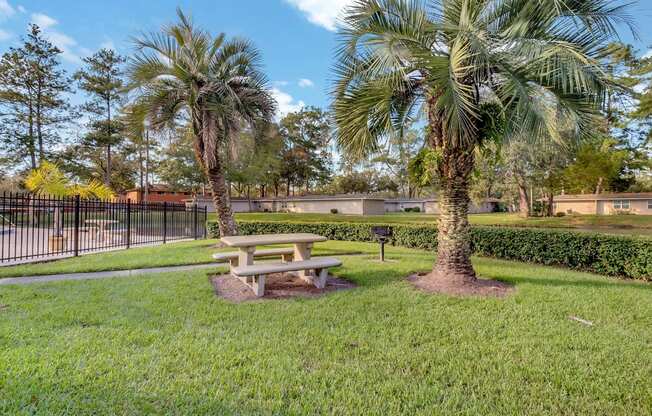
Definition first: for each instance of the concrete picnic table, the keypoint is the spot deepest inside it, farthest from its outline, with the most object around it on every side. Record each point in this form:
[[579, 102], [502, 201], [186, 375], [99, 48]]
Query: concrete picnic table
[[246, 245]]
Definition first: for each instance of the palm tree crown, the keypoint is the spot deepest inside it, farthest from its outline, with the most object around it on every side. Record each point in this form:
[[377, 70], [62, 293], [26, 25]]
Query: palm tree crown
[[537, 59], [49, 180], [213, 84]]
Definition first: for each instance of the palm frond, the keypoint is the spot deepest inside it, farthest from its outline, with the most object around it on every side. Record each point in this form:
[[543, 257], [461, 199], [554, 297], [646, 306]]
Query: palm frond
[[538, 60], [183, 74]]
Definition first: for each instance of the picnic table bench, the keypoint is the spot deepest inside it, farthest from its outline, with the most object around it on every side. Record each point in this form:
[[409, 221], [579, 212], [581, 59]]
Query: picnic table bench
[[287, 254], [295, 259]]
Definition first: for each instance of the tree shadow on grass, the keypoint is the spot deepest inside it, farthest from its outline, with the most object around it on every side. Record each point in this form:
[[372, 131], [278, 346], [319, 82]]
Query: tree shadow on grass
[[333, 251], [367, 272], [608, 282], [368, 278]]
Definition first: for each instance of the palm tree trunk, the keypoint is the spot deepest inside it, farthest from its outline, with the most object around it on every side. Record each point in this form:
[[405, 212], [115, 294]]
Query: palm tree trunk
[[454, 237], [214, 167], [453, 233], [523, 204], [225, 221]]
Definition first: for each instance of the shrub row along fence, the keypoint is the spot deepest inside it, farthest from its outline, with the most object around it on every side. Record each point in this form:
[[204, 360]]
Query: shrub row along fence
[[37, 227], [600, 253]]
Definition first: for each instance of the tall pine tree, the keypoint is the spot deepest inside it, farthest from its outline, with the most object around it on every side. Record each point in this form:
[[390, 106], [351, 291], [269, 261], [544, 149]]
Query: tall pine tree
[[102, 79], [33, 102]]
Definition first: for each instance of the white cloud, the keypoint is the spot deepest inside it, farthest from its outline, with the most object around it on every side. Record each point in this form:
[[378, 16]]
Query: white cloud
[[305, 83], [4, 35], [647, 54], [21, 9], [62, 41], [65, 43], [43, 20], [323, 13], [6, 10], [107, 44], [286, 103]]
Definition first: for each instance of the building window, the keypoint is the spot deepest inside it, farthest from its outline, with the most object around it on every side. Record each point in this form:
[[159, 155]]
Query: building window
[[649, 204], [621, 204]]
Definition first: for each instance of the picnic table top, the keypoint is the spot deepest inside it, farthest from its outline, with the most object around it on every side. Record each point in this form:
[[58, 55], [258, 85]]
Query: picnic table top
[[267, 239]]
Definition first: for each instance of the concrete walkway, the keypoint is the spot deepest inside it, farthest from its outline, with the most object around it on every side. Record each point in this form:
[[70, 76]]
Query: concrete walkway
[[24, 280], [104, 275]]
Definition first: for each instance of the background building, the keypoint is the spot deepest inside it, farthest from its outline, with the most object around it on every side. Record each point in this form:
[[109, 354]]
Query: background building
[[604, 204], [156, 193], [344, 204]]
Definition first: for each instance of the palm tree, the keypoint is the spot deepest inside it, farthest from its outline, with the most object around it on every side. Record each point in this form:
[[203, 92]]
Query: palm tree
[[533, 62], [49, 180], [213, 84]]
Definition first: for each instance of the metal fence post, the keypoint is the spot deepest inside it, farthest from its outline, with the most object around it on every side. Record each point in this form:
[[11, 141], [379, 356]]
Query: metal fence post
[[165, 221], [194, 221], [77, 203], [204, 230], [128, 222]]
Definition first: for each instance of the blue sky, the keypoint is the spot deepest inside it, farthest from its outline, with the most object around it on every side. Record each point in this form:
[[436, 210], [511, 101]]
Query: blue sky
[[296, 37]]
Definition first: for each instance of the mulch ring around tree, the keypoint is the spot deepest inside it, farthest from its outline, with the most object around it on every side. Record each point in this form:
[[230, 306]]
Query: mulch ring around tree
[[430, 283], [277, 286]]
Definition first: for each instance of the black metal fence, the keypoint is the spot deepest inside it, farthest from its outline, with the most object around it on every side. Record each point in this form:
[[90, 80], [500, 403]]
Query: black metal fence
[[33, 227]]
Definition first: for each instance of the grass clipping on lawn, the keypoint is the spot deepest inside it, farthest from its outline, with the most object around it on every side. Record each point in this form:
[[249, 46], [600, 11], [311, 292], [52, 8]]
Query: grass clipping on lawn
[[432, 282], [277, 286]]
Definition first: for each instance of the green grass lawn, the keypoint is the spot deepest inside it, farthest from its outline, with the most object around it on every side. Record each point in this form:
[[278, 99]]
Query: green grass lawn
[[626, 223], [191, 252], [172, 254], [164, 344]]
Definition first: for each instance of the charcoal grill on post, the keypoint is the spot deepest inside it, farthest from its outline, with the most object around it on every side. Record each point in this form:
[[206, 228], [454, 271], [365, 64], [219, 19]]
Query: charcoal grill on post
[[382, 234]]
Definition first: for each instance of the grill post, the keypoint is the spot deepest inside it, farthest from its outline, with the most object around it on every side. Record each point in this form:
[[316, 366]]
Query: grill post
[[165, 221], [382, 234], [128, 222], [76, 237]]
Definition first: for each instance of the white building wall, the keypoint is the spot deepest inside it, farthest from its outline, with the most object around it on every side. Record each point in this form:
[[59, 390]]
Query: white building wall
[[636, 206], [352, 206], [360, 206], [603, 207], [399, 205], [373, 207]]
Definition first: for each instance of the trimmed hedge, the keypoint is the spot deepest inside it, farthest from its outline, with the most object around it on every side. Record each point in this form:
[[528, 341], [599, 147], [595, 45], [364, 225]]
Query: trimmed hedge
[[600, 253]]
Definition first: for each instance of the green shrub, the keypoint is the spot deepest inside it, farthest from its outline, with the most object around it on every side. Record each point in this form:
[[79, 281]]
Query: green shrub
[[560, 214], [600, 253], [334, 211]]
